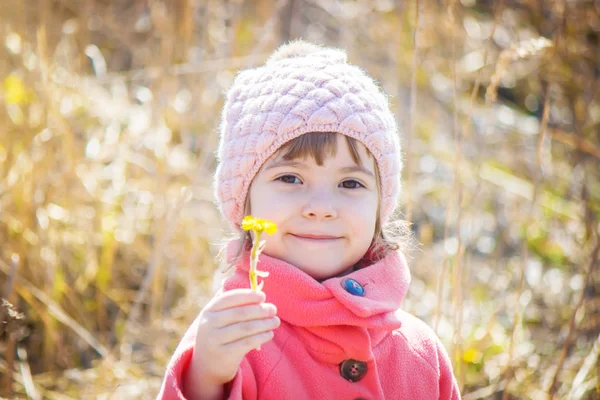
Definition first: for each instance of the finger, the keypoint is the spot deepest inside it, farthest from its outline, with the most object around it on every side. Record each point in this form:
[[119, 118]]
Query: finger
[[241, 330], [236, 298], [248, 343], [243, 313]]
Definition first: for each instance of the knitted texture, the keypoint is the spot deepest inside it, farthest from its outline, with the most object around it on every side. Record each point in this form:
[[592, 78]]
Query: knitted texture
[[312, 89]]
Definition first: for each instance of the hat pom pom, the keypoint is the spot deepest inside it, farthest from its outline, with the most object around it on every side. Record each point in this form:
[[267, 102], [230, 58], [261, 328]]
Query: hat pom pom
[[301, 48]]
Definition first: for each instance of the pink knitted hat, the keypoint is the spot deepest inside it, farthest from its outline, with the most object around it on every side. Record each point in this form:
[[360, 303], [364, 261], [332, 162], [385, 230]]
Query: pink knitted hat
[[302, 88]]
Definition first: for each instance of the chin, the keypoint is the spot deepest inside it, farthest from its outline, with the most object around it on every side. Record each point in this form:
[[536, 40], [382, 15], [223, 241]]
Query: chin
[[325, 270]]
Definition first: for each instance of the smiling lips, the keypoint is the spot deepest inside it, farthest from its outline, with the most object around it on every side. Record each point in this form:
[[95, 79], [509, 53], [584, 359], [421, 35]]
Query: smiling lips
[[315, 238]]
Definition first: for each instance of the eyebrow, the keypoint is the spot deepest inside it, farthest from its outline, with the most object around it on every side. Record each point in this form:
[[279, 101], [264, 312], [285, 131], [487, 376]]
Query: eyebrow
[[358, 168], [294, 163], [283, 163]]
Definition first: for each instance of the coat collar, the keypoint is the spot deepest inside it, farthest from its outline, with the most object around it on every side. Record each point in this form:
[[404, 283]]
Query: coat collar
[[332, 322]]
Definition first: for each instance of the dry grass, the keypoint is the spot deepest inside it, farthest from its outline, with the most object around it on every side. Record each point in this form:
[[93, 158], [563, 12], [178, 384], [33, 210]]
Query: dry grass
[[110, 115]]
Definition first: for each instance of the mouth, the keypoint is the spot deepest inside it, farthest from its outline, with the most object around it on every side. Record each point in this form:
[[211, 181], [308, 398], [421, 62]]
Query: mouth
[[315, 238]]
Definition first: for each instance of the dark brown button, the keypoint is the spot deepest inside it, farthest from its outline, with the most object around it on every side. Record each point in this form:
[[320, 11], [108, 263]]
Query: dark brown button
[[353, 370]]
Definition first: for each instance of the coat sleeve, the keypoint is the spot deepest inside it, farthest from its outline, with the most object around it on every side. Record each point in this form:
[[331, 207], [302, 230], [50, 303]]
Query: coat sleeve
[[449, 389], [243, 386]]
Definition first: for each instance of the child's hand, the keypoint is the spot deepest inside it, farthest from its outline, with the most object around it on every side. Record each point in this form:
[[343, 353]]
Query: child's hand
[[232, 324]]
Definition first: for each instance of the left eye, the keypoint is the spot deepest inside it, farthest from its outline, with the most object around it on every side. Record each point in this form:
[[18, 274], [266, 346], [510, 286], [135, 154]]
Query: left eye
[[351, 184], [289, 179]]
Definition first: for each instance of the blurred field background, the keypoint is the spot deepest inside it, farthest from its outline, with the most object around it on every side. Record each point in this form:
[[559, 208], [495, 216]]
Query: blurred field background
[[109, 114]]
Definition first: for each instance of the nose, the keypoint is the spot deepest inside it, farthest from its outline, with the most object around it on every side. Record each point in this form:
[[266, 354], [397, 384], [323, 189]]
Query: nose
[[320, 207]]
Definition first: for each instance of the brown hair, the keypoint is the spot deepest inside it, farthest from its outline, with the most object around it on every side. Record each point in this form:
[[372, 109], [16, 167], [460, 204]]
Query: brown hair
[[395, 235]]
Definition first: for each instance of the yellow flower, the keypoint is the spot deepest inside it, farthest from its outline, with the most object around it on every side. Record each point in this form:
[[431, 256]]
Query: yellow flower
[[258, 225], [15, 91], [472, 356]]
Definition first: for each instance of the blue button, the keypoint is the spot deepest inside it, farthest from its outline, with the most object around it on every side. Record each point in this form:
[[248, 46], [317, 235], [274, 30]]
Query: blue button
[[353, 287]]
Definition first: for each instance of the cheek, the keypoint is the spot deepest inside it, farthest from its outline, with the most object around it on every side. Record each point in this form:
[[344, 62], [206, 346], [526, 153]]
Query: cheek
[[364, 216], [267, 203], [251, 200], [257, 201]]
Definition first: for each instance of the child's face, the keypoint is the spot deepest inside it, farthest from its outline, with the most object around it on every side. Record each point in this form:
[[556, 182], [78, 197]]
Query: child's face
[[336, 202]]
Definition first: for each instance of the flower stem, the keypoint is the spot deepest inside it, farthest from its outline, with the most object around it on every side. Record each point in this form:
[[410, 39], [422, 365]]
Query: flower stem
[[254, 262]]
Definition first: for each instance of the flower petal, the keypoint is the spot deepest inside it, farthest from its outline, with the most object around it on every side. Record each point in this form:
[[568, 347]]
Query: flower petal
[[249, 223], [270, 228]]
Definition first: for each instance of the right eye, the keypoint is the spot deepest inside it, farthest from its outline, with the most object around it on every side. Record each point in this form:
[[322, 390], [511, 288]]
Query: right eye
[[289, 179]]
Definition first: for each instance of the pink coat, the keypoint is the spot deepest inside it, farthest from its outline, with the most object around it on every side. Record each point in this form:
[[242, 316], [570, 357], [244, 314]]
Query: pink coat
[[344, 338]]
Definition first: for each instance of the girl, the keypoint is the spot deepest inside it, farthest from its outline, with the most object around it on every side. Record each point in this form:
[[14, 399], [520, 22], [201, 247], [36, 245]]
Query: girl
[[308, 142]]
